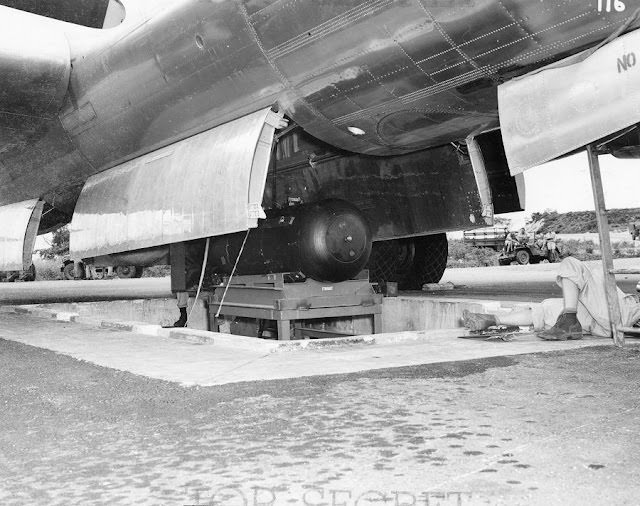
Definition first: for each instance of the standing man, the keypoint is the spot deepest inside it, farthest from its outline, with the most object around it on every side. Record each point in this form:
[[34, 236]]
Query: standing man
[[186, 265]]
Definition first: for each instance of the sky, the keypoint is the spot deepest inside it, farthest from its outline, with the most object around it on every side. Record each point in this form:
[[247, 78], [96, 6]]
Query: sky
[[565, 185]]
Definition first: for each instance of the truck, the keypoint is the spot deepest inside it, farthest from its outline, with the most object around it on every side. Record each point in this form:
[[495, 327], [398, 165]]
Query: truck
[[93, 272], [490, 237], [11, 276]]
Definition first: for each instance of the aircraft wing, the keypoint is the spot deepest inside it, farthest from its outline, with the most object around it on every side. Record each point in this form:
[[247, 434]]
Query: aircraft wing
[[89, 13]]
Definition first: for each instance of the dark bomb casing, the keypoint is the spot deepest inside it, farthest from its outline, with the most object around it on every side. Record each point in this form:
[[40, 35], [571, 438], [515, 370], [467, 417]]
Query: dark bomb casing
[[326, 241]]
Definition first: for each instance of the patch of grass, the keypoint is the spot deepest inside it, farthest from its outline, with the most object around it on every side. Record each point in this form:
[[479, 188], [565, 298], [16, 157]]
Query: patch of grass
[[157, 271], [588, 250], [47, 270], [625, 249], [582, 250], [462, 254]]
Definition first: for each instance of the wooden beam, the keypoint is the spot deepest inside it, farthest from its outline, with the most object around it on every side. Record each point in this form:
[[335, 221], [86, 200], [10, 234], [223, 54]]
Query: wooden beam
[[605, 246]]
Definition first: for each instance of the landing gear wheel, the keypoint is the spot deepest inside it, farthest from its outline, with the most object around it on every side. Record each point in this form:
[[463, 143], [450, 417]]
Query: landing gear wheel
[[391, 260], [523, 257], [68, 272], [409, 262], [430, 261], [126, 271]]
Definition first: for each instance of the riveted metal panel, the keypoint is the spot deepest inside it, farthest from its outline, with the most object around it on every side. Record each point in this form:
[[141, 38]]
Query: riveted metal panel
[[570, 104], [18, 229], [207, 185], [427, 192]]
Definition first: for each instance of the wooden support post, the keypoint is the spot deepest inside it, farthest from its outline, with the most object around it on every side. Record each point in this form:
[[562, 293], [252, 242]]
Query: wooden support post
[[605, 247], [377, 323]]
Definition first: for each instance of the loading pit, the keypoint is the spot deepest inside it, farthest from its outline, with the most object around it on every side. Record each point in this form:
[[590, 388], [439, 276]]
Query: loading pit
[[283, 305]]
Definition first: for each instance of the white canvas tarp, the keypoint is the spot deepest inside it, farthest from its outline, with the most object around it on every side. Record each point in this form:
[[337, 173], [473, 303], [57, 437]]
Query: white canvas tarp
[[563, 107]]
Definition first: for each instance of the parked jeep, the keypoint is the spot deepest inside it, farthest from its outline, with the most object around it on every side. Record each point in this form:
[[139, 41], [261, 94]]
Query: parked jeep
[[542, 248]]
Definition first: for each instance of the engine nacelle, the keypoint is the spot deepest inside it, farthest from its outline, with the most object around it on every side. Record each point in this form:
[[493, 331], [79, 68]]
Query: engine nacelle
[[326, 241]]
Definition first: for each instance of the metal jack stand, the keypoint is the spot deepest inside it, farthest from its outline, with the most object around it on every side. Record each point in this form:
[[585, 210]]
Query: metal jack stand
[[615, 318], [284, 298]]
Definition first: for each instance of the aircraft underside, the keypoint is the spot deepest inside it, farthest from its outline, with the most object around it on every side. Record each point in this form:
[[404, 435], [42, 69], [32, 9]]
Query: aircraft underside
[[187, 120]]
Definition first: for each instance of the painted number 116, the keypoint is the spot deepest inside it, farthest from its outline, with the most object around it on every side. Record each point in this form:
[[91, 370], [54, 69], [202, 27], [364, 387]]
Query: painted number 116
[[609, 5]]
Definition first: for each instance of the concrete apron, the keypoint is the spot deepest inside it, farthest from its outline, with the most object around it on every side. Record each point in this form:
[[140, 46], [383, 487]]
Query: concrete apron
[[399, 314], [417, 330]]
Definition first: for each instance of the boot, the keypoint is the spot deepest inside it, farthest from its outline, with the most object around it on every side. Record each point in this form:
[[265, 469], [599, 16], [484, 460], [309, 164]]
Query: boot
[[182, 321], [567, 327], [478, 321]]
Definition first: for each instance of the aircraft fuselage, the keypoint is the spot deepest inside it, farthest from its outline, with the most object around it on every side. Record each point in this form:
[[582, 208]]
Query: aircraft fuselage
[[404, 74]]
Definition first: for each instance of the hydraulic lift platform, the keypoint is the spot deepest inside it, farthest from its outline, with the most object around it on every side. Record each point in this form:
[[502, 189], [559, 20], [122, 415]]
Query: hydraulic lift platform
[[288, 298]]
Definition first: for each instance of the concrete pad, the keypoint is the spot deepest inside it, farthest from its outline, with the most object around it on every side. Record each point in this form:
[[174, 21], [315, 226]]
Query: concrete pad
[[188, 363], [155, 311], [422, 312]]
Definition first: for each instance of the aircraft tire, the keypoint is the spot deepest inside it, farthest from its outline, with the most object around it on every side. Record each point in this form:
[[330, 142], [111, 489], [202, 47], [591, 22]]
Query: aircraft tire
[[409, 262], [68, 271], [127, 271], [430, 262]]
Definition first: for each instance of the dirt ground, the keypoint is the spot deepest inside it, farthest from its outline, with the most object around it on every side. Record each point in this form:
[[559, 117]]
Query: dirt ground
[[551, 428]]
